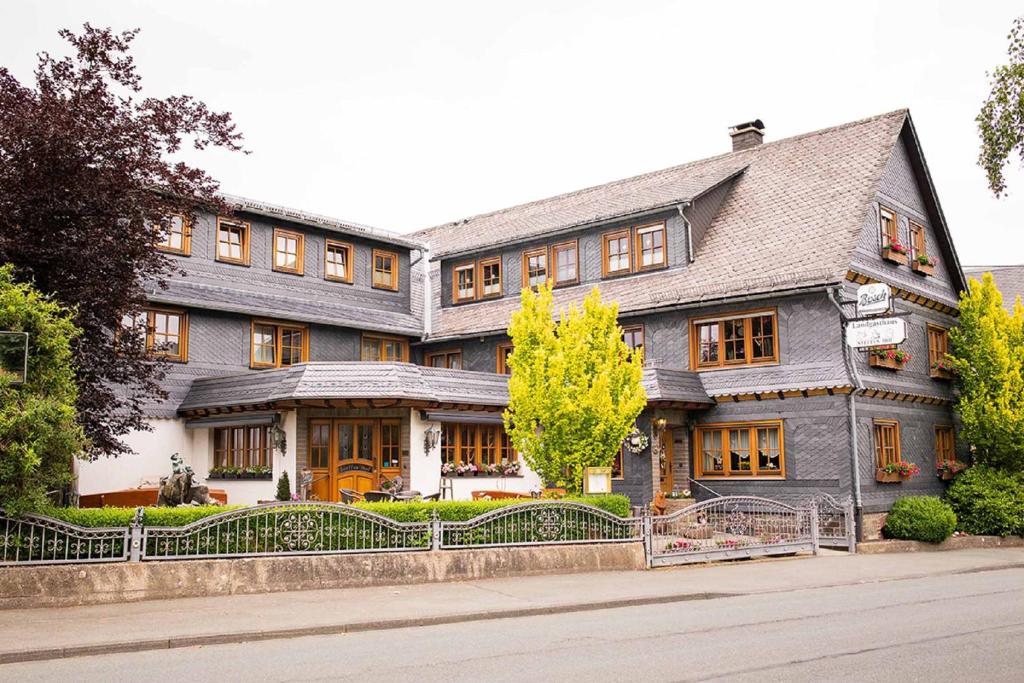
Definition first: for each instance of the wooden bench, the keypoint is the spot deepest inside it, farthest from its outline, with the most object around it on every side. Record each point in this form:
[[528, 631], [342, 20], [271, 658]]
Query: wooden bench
[[497, 495]]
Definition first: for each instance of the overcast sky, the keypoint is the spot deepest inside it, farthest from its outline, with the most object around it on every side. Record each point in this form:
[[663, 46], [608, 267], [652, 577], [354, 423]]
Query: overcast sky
[[403, 115]]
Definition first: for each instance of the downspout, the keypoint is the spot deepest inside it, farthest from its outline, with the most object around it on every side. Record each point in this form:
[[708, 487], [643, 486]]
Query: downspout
[[427, 293], [689, 230], [851, 400]]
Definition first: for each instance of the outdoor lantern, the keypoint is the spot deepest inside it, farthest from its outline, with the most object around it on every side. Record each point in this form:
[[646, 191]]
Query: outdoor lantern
[[277, 435], [430, 438]]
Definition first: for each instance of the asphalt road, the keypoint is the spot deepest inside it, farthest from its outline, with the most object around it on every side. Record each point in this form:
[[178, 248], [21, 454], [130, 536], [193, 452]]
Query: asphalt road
[[943, 628]]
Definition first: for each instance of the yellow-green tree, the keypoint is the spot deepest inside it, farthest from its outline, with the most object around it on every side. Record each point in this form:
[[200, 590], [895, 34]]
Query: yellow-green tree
[[988, 356], [575, 390]]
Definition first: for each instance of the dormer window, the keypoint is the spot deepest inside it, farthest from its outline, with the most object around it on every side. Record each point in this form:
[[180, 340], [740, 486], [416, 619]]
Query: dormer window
[[385, 270], [566, 260], [535, 267], [288, 251], [338, 261], [650, 246], [490, 278], [232, 241], [465, 283], [176, 238], [616, 253]]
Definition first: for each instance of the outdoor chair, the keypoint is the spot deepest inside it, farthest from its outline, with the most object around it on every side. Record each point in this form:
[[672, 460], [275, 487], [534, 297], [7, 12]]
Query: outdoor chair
[[348, 496], [377, 496], [431, 498]]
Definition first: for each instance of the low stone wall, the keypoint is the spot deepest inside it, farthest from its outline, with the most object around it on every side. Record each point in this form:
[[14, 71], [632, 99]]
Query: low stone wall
[[93, 584], [955, 543]]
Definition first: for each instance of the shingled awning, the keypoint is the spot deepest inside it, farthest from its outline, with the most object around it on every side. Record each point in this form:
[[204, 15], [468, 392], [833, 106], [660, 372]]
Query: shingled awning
[[381, 385]]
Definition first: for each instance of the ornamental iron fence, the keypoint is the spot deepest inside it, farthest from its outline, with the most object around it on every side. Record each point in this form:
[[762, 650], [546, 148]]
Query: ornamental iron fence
[[36, 539], [835, 522], [540, 523], [728, 528], [285, 528]]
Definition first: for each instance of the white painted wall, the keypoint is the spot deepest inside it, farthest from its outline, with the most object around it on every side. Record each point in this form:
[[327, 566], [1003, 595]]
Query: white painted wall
[[463, 487]]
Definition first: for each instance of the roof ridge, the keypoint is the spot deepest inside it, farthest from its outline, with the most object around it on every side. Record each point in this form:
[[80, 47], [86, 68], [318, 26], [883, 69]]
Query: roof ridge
[[737, 154]]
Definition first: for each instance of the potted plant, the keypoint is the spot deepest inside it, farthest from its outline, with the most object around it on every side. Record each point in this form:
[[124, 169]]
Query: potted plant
[[896, 472], [447, 469], [895, 252], [893, 359], [923, 265], [942, 369], [216, 473], [950, 468], [246, 473], [230, 473], [261, 472]]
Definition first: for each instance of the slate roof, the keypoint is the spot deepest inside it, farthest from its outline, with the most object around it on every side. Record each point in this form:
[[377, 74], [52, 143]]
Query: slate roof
[[402, 381], [182, 292], [333, 224], [790, 222], [1009, 280]]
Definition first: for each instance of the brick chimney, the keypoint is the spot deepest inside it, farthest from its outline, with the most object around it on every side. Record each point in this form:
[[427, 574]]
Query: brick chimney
[[747, 135]]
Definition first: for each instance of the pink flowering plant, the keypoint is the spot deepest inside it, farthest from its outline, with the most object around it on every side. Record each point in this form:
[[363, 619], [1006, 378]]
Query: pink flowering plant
[[924, 260], [896, 246], [898, 355], [943, 364], [680, 545], [904, 469], [953, 467]]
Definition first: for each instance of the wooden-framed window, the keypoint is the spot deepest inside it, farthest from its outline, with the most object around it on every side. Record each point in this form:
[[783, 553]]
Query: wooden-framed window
[[633, 335], [288, 251], [741, 449], [386, 349], [464, 282], [887, 442], [490, 277], [278, 345], [503, 352], [918, 245], [167, 333], [242, 446], [650, 246], [566, 260], [176, 238], [385, 270], [391, 445], [535, 267], [475, 444], [945, 444], [338, 261], [750, 338], [938, 346], [451, 359], [615, 253], [887, 226], [233, 241], [617, 463]]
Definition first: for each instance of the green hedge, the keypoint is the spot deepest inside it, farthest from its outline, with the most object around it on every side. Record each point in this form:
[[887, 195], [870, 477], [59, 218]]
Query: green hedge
[[449, 511], [920, 518], [988, 501]]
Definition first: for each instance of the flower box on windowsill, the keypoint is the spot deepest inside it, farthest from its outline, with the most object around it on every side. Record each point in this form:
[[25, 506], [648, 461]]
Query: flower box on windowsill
[[483, 474], [876, 361], [922, 268], [940, 373], [884, 477], [241, 476], [893, 256]]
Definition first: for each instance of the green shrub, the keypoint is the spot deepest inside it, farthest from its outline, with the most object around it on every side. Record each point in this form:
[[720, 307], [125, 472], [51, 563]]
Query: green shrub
[[284, 487], [120, 516], [462, 510], [988, 501], [920, 518]]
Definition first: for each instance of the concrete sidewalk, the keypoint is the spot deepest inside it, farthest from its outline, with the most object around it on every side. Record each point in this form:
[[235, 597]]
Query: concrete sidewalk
[[63, 632]]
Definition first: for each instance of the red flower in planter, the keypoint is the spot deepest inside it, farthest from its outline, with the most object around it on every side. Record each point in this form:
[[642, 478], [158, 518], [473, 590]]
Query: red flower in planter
[[896, 246]]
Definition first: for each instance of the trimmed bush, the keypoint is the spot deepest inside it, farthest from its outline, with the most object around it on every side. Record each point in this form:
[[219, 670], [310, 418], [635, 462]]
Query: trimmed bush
[[920, 518], [449, 511], [988, 501]]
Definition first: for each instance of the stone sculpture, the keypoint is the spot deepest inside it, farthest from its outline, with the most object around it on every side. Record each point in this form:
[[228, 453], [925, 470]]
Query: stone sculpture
[[181, 488]]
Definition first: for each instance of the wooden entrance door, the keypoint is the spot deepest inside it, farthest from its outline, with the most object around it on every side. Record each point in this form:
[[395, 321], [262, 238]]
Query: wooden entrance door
[[355, 455], [667, 478]]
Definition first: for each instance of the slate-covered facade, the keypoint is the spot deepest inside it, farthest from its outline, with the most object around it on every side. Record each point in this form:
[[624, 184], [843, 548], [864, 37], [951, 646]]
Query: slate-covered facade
[[735, 273]]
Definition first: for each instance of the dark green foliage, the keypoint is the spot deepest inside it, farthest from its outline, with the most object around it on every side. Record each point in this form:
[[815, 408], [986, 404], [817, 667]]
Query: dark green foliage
[[461, 510], [920, 518], [1001, 119], [284, 487], [152, 516], [39, 436], [988, 501]]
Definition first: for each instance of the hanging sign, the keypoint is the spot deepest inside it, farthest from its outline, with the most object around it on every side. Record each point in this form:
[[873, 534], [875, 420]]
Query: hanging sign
[[14, 355], [878, 332], [873, 299]]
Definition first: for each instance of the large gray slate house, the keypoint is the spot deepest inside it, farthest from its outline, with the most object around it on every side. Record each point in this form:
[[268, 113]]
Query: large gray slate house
[[376, 354]]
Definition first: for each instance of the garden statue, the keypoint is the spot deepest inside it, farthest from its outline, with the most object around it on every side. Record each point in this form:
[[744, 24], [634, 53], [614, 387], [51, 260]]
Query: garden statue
[[181, 488]]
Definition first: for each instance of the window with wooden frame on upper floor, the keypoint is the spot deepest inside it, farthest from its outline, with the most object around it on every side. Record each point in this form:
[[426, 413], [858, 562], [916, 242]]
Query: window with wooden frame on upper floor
[[288, 248], [650, 246], [490, 277], [740, 449], [918, 245], [887, 442], [566, 261], [385, 270], [633, 335], [277, 345], [451, 359], [535, 267], [338, 261], [945, 444], [615, 253], [938, 348], [749, 338], [464, 283], [888, 227], [233, 241], [385, 349], [167, 333], [176, 237], [503, 352]]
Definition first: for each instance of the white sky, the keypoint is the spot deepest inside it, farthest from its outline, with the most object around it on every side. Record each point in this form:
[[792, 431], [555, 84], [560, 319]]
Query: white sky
[[403, 115]]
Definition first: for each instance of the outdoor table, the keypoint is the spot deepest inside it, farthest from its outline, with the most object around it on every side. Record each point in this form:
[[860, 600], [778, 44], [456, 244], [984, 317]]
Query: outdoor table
[[407, 495]]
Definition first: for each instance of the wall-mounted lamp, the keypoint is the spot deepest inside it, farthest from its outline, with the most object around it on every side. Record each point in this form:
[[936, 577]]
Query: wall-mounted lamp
[[278, 436], [660, 423], [430, 438]]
